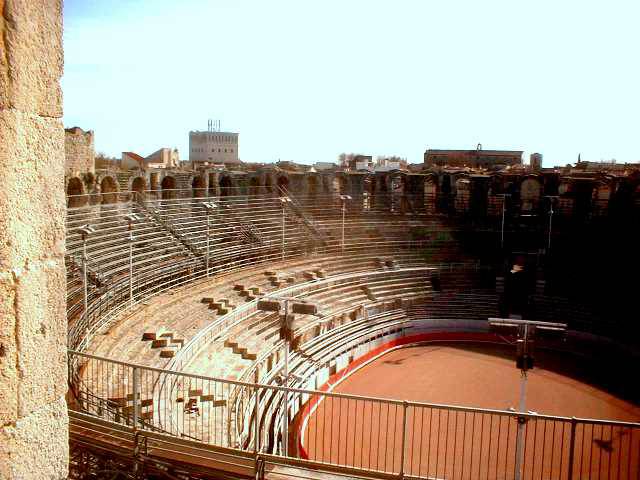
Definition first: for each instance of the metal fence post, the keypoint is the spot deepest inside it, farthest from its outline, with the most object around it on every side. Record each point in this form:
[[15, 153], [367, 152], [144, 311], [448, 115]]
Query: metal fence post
[[136, 403], [405, 405], [572, 447], [256, 411]]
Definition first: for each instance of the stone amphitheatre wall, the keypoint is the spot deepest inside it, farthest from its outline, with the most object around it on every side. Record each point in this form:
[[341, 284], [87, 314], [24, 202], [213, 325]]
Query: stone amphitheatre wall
[[79, 151], [33, 412], [456, 192]]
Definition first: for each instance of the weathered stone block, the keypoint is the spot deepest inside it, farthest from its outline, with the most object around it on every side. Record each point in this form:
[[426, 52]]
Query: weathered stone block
[[32, 59], [8, 373], [35, 445], [31, 169], [40, 335]]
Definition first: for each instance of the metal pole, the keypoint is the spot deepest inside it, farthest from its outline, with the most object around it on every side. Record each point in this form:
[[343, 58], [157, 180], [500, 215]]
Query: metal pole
[[404, 437], [344, 211], [207, 243], [550, 220], [136, 402], [283, 225], [521, 421], [521, 425], [130, 264], [572, 447], [285, 415], [84, 271], [504, 201], [256, 411]]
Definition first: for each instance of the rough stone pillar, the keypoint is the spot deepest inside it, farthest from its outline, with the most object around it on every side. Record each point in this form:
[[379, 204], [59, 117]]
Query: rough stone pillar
[[33, 382]]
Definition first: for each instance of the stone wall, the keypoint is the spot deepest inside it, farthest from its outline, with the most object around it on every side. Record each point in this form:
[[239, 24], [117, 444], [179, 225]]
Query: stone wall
[[33, 412], [79, 151]]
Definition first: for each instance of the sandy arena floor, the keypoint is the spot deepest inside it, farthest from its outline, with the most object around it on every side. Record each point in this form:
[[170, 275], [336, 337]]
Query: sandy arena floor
[[465, 444]]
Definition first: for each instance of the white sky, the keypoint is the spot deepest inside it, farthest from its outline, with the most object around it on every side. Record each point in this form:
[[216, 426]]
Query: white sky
[[304, 81]]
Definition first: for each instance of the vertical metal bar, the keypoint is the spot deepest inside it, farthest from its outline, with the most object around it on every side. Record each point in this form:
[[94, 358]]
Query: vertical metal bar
[[136, 403], [344, 210], [130, 264], [285, 413], [404, 437], [208, 242], [572, 443], [256, 434], [520, 441], [84, 274], [283, 225]]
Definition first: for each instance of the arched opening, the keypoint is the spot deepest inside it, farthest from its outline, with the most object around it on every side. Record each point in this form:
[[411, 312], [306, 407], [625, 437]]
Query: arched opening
[[268, 184], [340, 185], [168, 186], [254, 186], [283, 183], [109, 189], [75, 193], [226, 186], [198, 187], [138, 186], [213, 185], [430, 193], [312, 185]]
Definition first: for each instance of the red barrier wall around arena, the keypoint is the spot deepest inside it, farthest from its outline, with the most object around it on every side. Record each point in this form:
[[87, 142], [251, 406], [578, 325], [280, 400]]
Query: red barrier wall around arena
[[343, 374]]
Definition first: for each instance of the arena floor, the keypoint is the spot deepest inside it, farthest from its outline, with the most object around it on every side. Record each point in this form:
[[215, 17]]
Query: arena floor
[[458, 444]]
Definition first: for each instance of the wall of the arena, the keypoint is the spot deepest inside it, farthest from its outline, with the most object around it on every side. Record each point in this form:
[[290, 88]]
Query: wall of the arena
[[33, 412], [79, 151], [447, 192]]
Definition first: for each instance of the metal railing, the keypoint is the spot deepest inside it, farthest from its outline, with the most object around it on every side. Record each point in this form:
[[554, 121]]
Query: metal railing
[[364, 434]]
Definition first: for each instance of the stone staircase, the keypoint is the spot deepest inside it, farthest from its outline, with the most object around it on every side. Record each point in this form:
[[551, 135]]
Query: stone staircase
[[165, 341]]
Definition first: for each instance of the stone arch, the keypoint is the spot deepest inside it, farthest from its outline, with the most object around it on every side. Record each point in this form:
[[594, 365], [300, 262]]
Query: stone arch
[[168, 186], [530, 192], [75, 193], [213, 185], [326, 183], [283, 182], [139, 186], [430, 193], [109, 189], [226, 186], [198, 187], [601, 195], [268, 183], [463, 194], [313, 187], [339, 185], [254, 186]]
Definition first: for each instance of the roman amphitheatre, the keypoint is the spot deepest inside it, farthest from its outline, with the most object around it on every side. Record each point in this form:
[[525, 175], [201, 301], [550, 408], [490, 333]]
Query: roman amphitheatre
[[200, 323], [184, 344]]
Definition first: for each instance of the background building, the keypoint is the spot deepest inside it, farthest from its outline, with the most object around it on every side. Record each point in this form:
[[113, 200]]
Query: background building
[[213, 146], [163, 158], [477, 158], [535, 161]]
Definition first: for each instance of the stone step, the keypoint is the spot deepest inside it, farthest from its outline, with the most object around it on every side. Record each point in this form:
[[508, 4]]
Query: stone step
[[250, 356], [160, 343]]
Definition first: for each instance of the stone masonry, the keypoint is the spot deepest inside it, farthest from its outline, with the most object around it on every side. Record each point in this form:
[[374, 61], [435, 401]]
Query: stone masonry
[[79, 151], [33, 383]]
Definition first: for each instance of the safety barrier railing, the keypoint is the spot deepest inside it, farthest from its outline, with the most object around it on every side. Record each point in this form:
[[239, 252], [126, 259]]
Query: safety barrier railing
[[367, 434]]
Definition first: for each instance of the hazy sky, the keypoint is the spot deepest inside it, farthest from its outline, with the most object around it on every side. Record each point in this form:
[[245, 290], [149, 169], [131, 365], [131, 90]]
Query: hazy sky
[[304, 80]]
